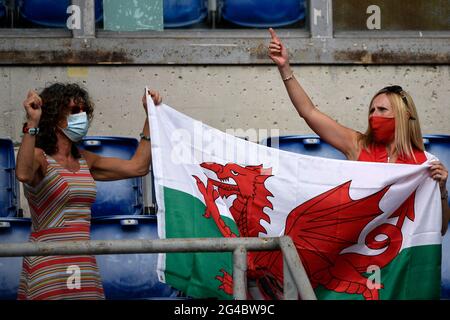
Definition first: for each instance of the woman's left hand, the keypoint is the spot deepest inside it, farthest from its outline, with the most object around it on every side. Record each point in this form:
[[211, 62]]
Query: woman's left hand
[[439, 173], [156, 97]]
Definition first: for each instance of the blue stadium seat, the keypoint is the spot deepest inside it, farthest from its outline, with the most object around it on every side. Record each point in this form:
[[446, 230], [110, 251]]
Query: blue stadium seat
[[125, 276], [52, 13], [130, 276], [121, 197], [9, 187], [263, 13], [310, 145], [12, 230], [2, 9], [184, 13], [445, 267], [439, 145]]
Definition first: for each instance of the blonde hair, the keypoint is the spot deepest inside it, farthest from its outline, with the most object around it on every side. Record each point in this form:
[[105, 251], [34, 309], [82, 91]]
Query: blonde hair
[[408, 134]]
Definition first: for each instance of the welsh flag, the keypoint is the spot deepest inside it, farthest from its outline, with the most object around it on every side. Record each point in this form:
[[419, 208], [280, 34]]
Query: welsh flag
[[362, 230]]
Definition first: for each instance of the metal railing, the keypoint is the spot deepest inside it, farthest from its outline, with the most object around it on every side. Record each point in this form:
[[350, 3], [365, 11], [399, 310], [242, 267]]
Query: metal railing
[[296, 282]]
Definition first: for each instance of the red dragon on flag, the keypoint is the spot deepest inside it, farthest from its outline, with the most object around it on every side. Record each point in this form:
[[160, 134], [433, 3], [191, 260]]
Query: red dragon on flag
[[321, 228]]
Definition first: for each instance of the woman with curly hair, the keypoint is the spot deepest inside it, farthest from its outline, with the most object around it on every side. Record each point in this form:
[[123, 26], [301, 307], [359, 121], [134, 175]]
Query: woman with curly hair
[[59, 185]]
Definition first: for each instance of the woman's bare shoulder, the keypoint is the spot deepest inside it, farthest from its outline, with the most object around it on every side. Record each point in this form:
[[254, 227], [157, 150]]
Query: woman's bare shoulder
[[358, 143]]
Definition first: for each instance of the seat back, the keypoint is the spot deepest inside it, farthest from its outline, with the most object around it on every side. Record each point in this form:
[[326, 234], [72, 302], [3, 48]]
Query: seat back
[[120, 197], [310, 145], [9, 187], [184, 13], [439, 145], [129, 276], [12, 230], [124, 276], [51, 13], [445, 267], [2, 9], [263, 13]]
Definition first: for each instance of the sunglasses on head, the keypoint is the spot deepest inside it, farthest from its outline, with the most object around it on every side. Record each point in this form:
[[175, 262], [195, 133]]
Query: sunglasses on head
[[398, 90]]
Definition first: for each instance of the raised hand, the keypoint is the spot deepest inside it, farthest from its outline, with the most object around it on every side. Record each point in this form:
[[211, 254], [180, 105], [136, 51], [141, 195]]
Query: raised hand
[[32, 105], [277, 51], [156, 97]]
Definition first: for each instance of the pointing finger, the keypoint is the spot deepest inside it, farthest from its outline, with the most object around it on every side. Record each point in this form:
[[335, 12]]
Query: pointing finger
[[274, 35]]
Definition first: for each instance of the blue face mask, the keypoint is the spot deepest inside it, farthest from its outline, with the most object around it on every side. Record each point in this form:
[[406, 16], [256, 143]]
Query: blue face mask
[[77, 126]]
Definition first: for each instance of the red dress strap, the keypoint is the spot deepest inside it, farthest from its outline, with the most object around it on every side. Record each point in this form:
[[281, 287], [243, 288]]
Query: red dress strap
[[378, 153]]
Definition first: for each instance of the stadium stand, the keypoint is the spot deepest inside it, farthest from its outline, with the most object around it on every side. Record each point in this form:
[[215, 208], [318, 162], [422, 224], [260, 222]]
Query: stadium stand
[[129, 276], [2, 9], [121, 197], [51, 13], [310, 145], [263, 13], [12, 230], [117, 215], [439, 145], [9, 187], [184, 13]]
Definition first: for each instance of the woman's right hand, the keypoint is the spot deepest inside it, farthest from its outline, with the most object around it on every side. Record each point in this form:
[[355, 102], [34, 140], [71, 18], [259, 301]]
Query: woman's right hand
[[156, 97], [277, 51], [32, 105]]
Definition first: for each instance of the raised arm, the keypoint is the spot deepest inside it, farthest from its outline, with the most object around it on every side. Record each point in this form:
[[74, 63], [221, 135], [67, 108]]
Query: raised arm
[[340, 137], [30, 167], [105, 168]]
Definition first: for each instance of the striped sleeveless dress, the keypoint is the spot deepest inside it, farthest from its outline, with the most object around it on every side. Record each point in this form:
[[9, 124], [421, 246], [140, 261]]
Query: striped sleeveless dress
[[60, 207]]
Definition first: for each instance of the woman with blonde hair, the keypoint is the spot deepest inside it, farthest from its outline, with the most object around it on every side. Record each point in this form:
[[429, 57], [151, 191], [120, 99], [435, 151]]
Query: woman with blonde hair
[[393, 134]]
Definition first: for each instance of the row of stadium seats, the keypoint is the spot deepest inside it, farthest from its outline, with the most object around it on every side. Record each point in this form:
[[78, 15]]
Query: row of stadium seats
[[438, 145], [249, 13], [127, 197], [51, 13], [118, 214], [124, 276]]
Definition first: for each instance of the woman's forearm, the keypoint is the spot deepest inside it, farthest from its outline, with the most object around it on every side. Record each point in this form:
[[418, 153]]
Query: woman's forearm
[[297, 94], [25, 170], [142, 157]]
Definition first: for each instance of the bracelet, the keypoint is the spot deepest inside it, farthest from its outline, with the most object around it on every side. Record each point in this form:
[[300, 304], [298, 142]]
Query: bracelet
[[30, 131], [143, 136], [445, 195], [289, 77]]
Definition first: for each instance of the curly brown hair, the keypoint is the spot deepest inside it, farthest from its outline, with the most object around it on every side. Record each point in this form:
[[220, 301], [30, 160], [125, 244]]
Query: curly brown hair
[[55, 101]]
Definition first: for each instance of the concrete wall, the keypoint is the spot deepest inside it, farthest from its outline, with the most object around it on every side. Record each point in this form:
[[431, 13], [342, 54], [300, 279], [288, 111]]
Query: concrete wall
[[230, 97]]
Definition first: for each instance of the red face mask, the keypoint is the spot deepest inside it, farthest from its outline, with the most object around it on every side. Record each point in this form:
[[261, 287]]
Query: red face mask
[[383, 129]]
